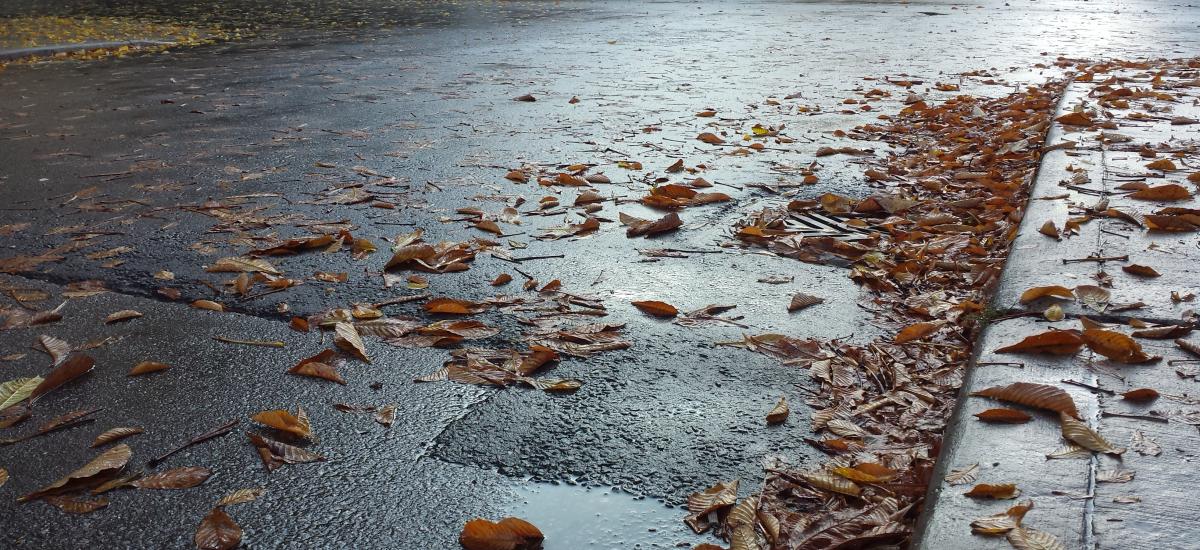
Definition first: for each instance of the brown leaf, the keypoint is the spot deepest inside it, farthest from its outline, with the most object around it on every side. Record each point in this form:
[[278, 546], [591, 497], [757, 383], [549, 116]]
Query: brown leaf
[[1093, 297], [243, 265], [916, 331], [526, 98], [801, 301], [285, 421], [274, 453], [1002, 491], [208, 304], [1079, 433], [1055, 342], [639, 227], [501, 279], [1050, 230], [1075, 118], [1140, 270], [507, 534], [348, 339], [1140, 395], [1004, 416], [832, 483], [453, 306], [386, 415], [656, 308], [964, 475], [123, 315], [218, 531], [1164, 165], [108, 462], [710, 138], [241, 496], [1041, 396], [1169, 192], [1023, 538], [76, 504], [75, 366], [147, 367], [1038, 292], [1002, 523], [115, 434], [1116, 346], [176, 478], [779, 413]]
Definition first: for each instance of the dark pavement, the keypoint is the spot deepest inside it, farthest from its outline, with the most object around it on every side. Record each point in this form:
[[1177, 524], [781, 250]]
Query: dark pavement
[[134, 152]]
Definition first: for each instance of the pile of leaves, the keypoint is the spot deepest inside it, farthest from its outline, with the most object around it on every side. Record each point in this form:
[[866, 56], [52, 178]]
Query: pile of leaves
[[940, 227]]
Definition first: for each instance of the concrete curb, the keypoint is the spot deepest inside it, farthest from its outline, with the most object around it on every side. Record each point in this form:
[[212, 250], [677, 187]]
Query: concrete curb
[[20, 53]]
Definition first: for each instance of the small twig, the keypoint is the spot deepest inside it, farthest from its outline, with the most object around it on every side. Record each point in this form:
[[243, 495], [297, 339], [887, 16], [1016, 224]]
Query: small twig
[[261, 343], [526, 275], [1096, 259], [400, 300], [1182, 361], [216, 432], [1123, 236], [738, 187], [1136, 416], [546, 257], [1000, 364], [1088, 386]]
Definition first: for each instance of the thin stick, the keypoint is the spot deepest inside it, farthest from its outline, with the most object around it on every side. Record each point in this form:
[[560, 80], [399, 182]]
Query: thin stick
[[262, 343], [1136, 417], [1096, 259], [1089, 386], [216, 432], [546, 257], [400, 300]]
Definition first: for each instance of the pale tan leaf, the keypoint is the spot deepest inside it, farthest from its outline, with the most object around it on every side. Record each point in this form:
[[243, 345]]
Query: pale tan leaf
[[1114, 476], [1079, 433], [964, 475], [123, 315], [779, 413], [176, 478], [17, 390], [285, 421], [76, 504], [347, 338], [242, 265], [1023, 538], [242, 496], [111, 460], [57, 348], [1069, 451], [801, 301], [831, 482], [114, 435]]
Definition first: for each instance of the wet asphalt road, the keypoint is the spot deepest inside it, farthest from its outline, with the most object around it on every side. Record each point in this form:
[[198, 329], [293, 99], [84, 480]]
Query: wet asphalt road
[[281, 119]]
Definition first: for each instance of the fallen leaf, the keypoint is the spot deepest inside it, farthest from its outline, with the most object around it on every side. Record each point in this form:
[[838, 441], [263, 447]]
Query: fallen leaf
[[123, 315], [386, 415], [1054, 342], [242, 496], [347, 338], [1075, 118], [779, 413], [1140, 270], [1004, 416], [57, 348], [1023, 538], [1164, 165], [208, 304], [285, 421], [1079, 433], [1038, 292], [17, 390], [76, 504], [501, 279], [1041, 396], [75, 366], [273, 453], [243, 265], [115, 434], [1002, 523], [1003, 491], [1140, 395], [1050, 230], [639, 227], [1093, 297], [964, 475], [1116, 346], [452, 306], [832, 483], [175, 478], [147, 367], [507, 534], [710, 138], [1169, 192], [218, 531], [110, 461], [1114, 476], [656, 308], [916, 331]]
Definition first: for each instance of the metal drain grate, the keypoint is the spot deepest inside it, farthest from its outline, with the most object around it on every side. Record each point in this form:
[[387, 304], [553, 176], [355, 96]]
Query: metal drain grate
[[812, 224]]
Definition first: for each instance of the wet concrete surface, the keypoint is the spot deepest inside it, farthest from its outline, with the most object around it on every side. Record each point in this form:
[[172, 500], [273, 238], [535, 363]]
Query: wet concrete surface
[[432, 108]]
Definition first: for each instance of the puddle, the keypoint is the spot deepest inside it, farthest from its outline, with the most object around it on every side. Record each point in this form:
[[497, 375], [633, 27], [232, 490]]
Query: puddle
[[579, 517]]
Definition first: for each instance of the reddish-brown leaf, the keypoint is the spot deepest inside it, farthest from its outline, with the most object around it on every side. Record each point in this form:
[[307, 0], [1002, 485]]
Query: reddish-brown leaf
[[1041, 396], [1004, 416], [656, 308], [1116, 346], [1055, 342], [218, 531]]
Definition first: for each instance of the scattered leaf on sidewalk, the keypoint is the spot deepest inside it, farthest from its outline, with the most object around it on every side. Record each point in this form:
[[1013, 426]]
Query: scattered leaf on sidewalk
[[1079, 433], [208, 305], [115, 434], [1140, 395], [1003, 491], [275, 453], [999, 524], [710, 138], [242, 265], [75, 366], [1004, 416], [453, 306], [639, 227], [57, 348], [832, 483], [176, 478], [1041, 396], [347, 338], [1054, 342], [1140, 270], [218, 531], [779, 413], [108, 462], [76, 504], [656, 308], [1023, 538], [386, 415], [1038, 292], [242, 496], [147, 367], [801, 301], [1093, 297], [916, 331], [1050, 230], [17, 390], [123, 315], [1116, 346], [284, 421], [964, 475], [1114, 476]]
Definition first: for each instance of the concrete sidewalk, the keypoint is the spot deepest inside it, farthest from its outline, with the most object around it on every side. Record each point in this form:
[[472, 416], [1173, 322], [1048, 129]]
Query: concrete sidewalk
[[1091, 500]]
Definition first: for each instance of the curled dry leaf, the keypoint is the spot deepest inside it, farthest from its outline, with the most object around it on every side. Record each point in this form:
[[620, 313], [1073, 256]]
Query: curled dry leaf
[[1114, 476], [175, 478], [242, 496], [285, 421], [710, 138], [386, 415], [1023, 538], [243, 265], [1054, 342], [76, 504], [75, 366], [115, 434], [1041, 396], [867, 472], [1140, 270], [801, 301], [1093, 297], [1003, 416], [208, 304], [506, 534], [916, 331], [964, 475], [656, 308], [1002, 523], [1039, 292], [501, 279], [1190, 347], [147, 367], [453, 306], [712, 499], [347, 338], [779, 413], [110, 461], [3, 477], [274, 453], [1003, 491], [1140, 395], [1116, 346], [832, 483], [123, 315], [218, 531], [1079, 433], [57, 348], [1163, 332], [1050, 230], [319, 366], [638, 227]]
